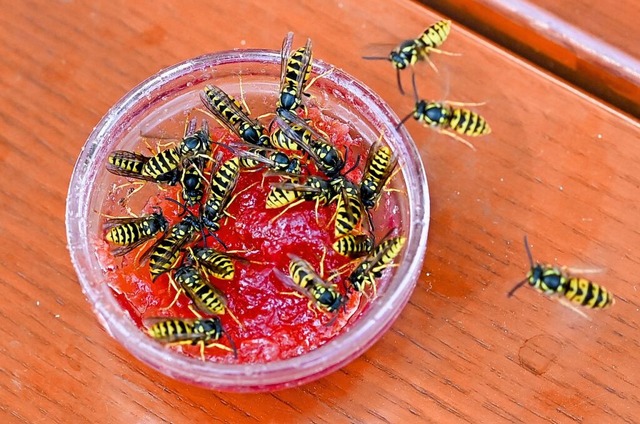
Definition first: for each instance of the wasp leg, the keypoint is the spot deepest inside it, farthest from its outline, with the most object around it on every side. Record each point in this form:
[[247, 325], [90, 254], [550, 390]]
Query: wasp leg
[[458, 138]]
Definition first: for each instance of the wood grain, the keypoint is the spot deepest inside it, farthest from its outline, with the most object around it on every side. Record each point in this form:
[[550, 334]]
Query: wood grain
[[560, 167]]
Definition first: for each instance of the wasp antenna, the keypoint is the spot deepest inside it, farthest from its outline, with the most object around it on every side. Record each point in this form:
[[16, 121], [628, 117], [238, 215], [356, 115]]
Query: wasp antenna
[[399, 80], [355, 165], [517, 286], [375, 57], [415, 87], [526, 247], [232, 344], [386, 236], [403, 120], [215, 236], [371, 226], [179, 204]]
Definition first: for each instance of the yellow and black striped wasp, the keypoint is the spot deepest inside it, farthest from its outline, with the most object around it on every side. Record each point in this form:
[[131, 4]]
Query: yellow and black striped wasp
[[294, 74], [277, 161], [230, 113], [327, 157], [349, 207], [289, 194], [354, 245], [380, 164], [304, 280], [216, 263], [195, 142], [449, 119], [372, 266], [206, 297], [552, 280], [164, 255], [409, 52], [223, 181], [134, 165], [188, 331], [192, 181], [129, 233], [164, 166]]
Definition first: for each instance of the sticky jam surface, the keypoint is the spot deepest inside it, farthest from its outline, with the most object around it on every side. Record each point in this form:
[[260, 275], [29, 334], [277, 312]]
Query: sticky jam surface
[[275, 324]]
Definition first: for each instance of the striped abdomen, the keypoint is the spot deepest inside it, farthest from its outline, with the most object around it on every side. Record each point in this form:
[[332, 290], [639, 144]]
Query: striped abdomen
[[587, 293], [466, 122]]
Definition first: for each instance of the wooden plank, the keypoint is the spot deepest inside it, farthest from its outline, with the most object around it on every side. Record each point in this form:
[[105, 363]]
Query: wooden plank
[[560, 166], [586, 43]]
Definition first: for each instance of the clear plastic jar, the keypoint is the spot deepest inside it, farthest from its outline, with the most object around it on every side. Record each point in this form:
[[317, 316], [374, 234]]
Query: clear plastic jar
[[168, 94]]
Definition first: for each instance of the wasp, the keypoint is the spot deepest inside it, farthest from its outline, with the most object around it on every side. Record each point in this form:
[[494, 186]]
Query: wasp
[[195, 142], [550, 280], [216, 263], [165, 253], [349, 207], [380, 258], [304, 280], [129, 233], [275, 160], [380, 164], [294, 74], [223, 181], [353, 245], [183, 331], [327, 158], [280, 140], [230, 113], [449, 120], [169, 160], [134, 165], [205, 296], [164, 166], [409, 52], [192, 181], [290, 194]]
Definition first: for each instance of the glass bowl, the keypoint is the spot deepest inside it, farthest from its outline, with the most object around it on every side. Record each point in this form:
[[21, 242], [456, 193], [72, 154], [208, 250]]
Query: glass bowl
[[168, 94]]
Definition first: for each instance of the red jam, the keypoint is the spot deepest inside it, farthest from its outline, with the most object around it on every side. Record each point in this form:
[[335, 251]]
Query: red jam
[[274, 323]]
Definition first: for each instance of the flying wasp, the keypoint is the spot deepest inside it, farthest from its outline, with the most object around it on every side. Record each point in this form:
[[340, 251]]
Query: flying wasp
[[129, 233], [380, 258], [550, 280], [183, 331], [294, 74], [409, 52], [305, 281], [230, 113]]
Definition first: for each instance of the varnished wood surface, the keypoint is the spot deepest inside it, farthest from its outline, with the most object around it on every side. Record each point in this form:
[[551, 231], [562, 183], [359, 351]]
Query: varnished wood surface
[[560, 167], [589, 43]]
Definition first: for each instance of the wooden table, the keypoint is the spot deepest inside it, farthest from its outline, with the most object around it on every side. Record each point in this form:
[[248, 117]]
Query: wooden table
[[560, 166]]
